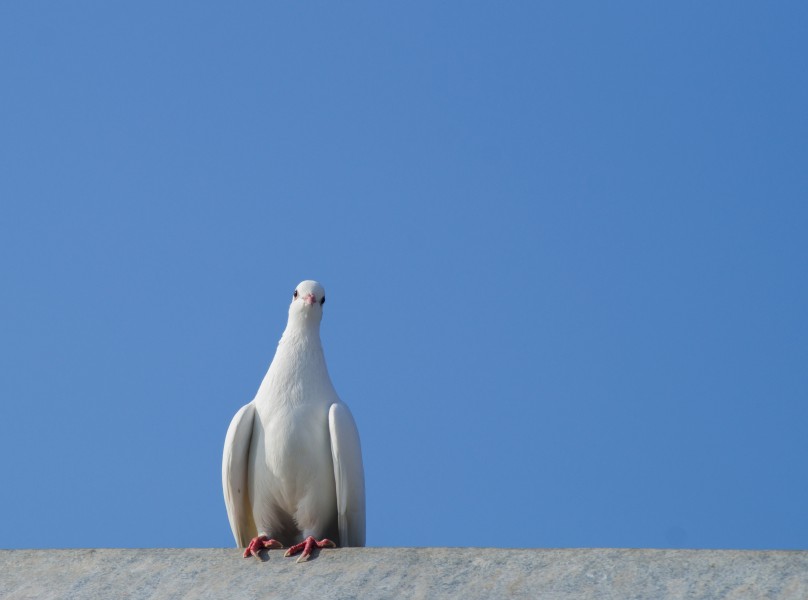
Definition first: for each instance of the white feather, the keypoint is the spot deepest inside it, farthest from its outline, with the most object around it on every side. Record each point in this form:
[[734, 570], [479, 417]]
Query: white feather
[[234, 474], [349, 475]]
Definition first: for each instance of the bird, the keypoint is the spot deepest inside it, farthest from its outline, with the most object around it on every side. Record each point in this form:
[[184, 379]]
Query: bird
[[292, 471]]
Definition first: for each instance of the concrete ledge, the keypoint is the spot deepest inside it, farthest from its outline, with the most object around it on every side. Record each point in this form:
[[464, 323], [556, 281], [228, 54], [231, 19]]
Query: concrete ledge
[[405, 573]]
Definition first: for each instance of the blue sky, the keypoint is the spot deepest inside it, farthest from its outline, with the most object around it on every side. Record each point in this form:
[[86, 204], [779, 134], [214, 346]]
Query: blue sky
[[564, 247]]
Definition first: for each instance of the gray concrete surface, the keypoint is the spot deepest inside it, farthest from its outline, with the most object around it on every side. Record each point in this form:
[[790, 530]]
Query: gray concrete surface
[[467, 573]]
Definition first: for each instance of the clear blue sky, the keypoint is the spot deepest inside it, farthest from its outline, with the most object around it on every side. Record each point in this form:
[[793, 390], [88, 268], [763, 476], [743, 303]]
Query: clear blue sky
[[565, 248]]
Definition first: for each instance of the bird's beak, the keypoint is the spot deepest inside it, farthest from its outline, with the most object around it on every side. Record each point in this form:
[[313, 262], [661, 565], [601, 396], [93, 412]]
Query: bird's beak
[[310, 299]]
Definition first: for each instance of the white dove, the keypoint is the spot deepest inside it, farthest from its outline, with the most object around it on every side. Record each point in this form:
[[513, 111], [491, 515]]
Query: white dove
[[292, 466]]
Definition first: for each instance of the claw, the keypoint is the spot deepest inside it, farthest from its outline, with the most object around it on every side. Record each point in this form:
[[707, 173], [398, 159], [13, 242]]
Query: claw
[[259, 543], [307, 546]]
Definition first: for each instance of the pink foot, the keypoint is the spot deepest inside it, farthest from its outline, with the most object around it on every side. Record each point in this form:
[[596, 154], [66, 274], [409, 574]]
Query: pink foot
[[260, 543], [307, 546]]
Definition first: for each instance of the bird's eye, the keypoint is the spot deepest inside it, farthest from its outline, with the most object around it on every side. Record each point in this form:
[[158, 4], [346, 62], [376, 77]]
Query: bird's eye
[[295, 294], [322, 301]]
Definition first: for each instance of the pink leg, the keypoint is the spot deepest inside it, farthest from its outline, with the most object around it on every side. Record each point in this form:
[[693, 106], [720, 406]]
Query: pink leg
[[260, 543], [307, 546]]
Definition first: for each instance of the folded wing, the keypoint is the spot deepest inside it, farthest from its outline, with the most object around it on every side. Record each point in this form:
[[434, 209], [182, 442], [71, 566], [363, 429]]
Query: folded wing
[[348, 474], [234, 475]]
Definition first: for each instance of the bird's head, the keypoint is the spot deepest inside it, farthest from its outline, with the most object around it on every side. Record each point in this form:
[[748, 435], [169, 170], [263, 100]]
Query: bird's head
[[307, 302]]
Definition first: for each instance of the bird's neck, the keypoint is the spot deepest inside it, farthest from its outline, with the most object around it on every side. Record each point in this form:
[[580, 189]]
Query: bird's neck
[[299, 363], [300, 339]]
